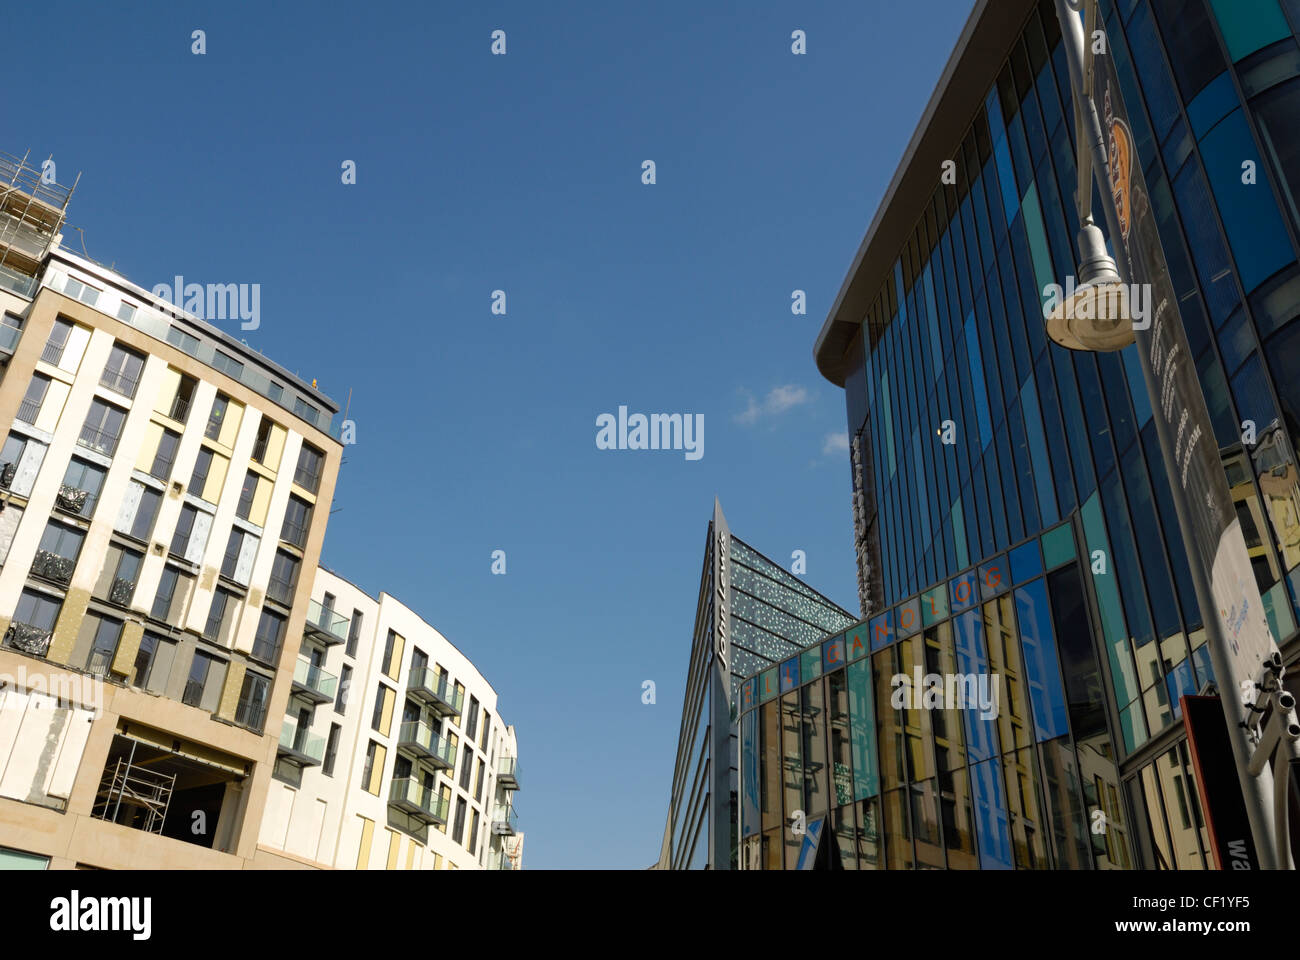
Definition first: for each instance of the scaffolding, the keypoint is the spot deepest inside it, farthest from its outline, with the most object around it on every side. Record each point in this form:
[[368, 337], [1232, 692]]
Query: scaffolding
[[134, 796], [32, 212]]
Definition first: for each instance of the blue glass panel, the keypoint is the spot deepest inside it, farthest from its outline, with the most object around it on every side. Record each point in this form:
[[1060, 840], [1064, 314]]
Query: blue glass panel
[[1249, 25], [857, 641], [882, 630], [1042, 669], [934, 605], [1006, 179], [810, 664], [909, 617], [1038, 456], [862, 730], [972, 658], [965, 591], [1149, 59], [1180, 681], [992, 827], [789, 674], [1204, 666], [1205, 241], [993, 577], [768, 685], [833, 653], [1137, 387], [749, 694], [1212, 104], [1249, 211], [1026, 562]]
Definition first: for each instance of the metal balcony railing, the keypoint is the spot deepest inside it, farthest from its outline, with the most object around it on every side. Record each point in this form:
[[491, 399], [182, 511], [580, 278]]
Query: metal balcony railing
[[505, 822], [508, 772], [120, 381], [325, 624], [251, 713], [73, 500], [179, 409], [101, 441], [9, 337], [52, 567], [52, 352], [28, 411], [99, 663], [28, 638]]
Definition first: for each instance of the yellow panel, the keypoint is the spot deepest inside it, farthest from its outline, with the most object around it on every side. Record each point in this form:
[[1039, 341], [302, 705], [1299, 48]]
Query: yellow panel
[[367, 833], [399, 644], [261, 502], [52, 406], [386, 719], [230, 424], [171, 382], [410, 855], [394, 848], [275, 447], [437, 861], [377, 773], [216, 479], [149, 449]]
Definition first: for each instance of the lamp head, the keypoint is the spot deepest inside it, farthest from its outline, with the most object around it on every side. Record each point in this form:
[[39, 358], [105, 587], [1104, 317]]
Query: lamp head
[[1096, 316]]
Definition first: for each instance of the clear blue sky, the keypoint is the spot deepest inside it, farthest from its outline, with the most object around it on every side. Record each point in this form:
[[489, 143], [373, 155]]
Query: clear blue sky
[[522, 173]]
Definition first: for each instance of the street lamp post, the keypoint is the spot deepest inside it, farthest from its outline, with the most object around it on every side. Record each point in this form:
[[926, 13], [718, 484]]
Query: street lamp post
[[1097, 317]]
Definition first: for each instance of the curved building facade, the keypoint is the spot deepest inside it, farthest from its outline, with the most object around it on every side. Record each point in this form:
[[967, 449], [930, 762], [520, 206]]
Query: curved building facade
[[1013, 515]]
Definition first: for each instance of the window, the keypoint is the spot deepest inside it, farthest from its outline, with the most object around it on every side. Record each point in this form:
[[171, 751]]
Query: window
[[122, 372], [373, 772], [345, 680], [126, 312], [478, 782], [253, 698], [246, 495], [228, 364], [102, 428], [179, 409], [80, 291], [382, 719], [30, 408], [185, 341], [275, 391], [217, 619], [10, 457], [206, 672], [331, 749], [57, 556], [107, 635], [230, 562], [263, 439], [297, 519], [466, 765], [145, 513], [354, 634], [184, 528], [270, 633], [57, 342], [305, 410], [393, 654], [219, 407], [162, 603], [458, 830], [33, 622], [473, 831], [284, 578], [471, 719], [487, 725], [149, 656], [81, 486], [121, 587], [165, 458], [310, 463], [202, 465]]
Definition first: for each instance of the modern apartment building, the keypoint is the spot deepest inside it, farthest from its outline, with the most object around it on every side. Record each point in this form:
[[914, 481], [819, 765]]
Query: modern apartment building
[[750, 614], [1012, 510], [393, 753], [164, 491]]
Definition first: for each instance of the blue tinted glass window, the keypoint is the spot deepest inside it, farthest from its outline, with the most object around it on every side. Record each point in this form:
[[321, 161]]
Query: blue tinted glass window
[[1162, 100], [1208, 252], [1211, 105], [789, 674], [750, 817], [1042, 670], [1038, 453], [972, 658], [1190, 40], [862, 730], [1249, 25], [980, 395], [1249, 212], [1026, 562], [991, 822]]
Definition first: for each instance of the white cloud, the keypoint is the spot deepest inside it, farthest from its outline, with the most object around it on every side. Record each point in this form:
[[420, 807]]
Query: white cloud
[[836, 443], [777, 401]]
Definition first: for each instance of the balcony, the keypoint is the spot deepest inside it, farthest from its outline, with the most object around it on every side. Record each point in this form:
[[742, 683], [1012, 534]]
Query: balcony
[[121, 591], [28, 638], [312, 683], [9, 337], [417, 738], [52, 567], [28, 411], [505, 822], [72, 500], [508, 773], [179, 409], [99, 663], [302, 748], [52, 352], [120, 382], [325, 625], [420, 801], [251, 714], [437, 692], [101, 441]]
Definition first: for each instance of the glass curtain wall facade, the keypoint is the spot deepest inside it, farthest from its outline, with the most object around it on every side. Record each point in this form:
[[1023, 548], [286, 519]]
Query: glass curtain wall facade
[[766, 614], [1051, 480]]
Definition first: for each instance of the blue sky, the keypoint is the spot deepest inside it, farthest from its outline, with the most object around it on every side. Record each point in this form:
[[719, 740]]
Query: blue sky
[[520, 173]]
